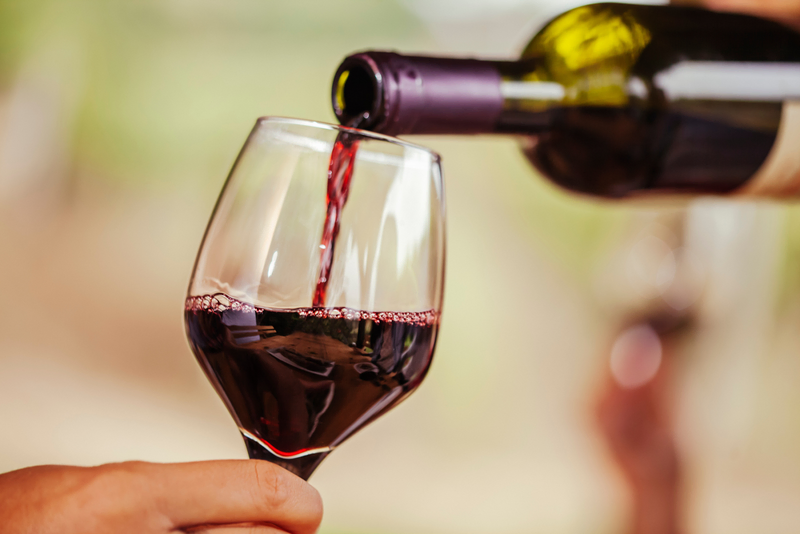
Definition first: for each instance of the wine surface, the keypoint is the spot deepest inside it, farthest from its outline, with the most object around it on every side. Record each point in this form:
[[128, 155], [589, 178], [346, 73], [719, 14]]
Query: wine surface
[[298, 382]]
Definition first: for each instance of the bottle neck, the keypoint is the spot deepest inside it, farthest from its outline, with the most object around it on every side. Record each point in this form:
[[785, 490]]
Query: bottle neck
[[396, 94]]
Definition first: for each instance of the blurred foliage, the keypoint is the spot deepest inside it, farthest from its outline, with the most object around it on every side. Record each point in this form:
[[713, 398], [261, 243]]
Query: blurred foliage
[[578, 231], [168, 88], [788, 278], [574, 233], [15, 17]]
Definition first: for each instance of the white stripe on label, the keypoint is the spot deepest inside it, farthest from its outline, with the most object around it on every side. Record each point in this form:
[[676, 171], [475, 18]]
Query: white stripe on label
[[532, 90], [731, 80]]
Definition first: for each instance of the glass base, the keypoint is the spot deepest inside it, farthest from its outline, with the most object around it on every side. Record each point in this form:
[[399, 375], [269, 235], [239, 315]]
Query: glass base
[[301, 466]]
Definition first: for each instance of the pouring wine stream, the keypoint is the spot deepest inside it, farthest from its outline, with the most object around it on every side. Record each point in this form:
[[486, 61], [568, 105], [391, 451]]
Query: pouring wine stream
[[340, 172]]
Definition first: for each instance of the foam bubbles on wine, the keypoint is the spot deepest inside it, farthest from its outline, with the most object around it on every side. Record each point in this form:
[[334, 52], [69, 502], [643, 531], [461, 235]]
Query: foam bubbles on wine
[[220, 302]]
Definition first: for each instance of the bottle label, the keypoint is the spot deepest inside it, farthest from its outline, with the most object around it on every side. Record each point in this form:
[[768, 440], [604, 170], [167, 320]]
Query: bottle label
[[779, 175]]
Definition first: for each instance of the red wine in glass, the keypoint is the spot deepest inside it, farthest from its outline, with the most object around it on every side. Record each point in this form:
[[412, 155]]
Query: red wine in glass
[[298, 382]]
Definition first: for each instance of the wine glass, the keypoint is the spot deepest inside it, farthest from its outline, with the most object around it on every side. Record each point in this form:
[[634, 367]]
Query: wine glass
[[315, 298]]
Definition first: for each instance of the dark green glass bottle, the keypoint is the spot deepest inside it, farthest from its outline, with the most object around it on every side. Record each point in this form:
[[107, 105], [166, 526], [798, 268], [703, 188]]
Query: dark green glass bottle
[[610, 99]]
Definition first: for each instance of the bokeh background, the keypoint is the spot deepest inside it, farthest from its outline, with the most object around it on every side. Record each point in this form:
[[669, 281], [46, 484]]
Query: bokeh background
[[119, 120]]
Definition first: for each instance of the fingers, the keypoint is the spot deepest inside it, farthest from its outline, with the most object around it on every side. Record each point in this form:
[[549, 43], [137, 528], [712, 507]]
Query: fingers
[[228, 497], [235, 491]]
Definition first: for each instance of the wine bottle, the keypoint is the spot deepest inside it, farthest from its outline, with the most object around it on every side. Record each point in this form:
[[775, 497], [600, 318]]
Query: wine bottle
[[611, 100]]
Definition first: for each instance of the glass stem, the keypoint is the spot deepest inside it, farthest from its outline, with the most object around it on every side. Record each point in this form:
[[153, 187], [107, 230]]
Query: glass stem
[[303, 466]]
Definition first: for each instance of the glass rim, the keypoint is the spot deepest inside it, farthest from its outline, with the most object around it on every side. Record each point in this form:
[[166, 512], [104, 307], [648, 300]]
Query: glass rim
[[339, 128]]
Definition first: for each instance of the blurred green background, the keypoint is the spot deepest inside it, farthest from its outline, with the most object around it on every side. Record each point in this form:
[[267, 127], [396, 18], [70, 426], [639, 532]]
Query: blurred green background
[[119, 120]]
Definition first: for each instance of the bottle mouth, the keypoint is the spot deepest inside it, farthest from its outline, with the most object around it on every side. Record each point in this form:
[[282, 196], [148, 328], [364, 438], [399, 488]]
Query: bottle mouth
[[356, 92]]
